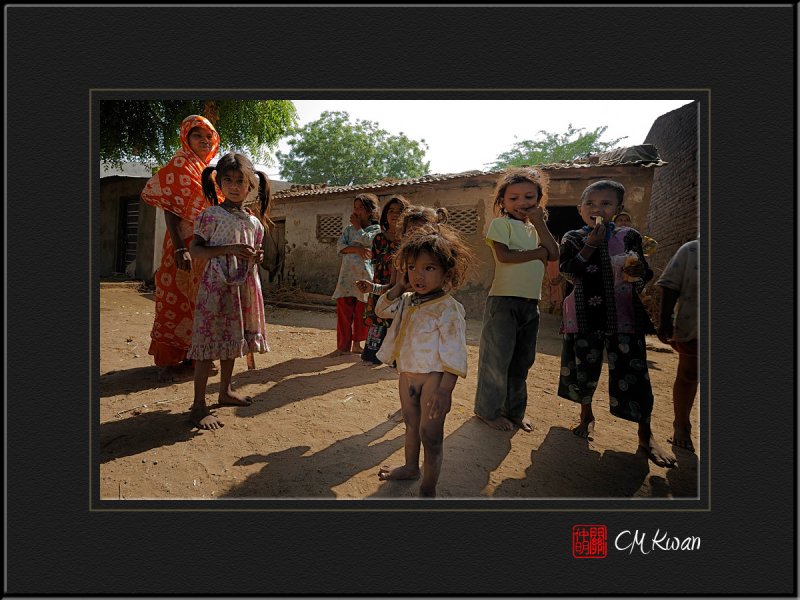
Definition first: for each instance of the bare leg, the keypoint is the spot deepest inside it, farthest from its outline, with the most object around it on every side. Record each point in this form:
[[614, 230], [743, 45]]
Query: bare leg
[[227, 397], [199, 413], [683, 393], [432, 436], [409, 400], [585, 428], [356, 348], [654, 452]]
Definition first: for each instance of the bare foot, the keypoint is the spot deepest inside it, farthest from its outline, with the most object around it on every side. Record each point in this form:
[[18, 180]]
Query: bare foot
[[231, 398], [657, 454], [396, 416], [203, 419], [584, 429], [682, 439], [500, 423], [523, 424], [403, 472], [356, 349]]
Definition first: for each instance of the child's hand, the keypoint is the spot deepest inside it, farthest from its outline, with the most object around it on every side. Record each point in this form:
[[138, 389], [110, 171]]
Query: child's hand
[[364, 286], [440, 403], [597, 235], [243, 251], [364, 253], [354, 221], [260, 255], [536, 214]]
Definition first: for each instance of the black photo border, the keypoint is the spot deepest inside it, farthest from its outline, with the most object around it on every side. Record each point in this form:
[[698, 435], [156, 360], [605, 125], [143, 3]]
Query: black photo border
[[57, 543]]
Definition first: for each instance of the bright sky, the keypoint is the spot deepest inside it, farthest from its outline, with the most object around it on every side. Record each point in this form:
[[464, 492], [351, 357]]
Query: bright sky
[[464, 135]]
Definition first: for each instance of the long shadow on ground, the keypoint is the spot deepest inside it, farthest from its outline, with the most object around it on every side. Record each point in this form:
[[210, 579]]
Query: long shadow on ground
[[289, 473], [565, 467]]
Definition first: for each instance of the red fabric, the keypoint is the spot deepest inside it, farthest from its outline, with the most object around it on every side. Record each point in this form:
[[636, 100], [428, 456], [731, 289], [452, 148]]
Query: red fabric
[[177, 187], [349, 322]]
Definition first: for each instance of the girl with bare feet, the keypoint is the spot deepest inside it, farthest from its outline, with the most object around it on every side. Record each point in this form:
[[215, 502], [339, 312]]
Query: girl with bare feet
[[229, 312], [427, 340], [522, 245], [608, 269], [678, 328], [177, 190], [355, 247]]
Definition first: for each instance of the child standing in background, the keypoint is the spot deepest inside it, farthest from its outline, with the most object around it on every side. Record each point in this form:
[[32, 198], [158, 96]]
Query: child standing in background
[[427, 339], [608, 269], [521, 244], [384, 245], [354, 246], [229, 312]]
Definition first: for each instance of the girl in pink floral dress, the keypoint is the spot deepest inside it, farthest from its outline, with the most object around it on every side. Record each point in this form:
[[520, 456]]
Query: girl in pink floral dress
[[229, 310]]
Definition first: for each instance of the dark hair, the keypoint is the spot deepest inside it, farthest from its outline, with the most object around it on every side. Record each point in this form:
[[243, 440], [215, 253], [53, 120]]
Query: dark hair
[[443, 243], [606, 184], [370, 204], [421, 215], [536, 177], [393, 199], [256, 179]]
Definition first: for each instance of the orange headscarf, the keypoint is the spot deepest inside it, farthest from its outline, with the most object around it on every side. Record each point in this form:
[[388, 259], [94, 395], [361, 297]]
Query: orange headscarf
[[177, 187]]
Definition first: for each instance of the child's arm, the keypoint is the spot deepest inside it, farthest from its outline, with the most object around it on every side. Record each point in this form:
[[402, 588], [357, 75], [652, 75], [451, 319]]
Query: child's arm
[[576, 250], [443, 396], [505, 254], [200, 249], [546, 239]]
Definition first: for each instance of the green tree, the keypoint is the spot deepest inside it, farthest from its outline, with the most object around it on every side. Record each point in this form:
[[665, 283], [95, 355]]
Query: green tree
[[147, 131], [335, 151], [553, 147]]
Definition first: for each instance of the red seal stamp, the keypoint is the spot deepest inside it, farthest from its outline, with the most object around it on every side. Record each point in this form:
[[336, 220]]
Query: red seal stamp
[[589, 541]]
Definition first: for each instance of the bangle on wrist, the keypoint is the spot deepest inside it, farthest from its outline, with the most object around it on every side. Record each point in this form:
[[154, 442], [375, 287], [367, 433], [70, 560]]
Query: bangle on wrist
[[180, 250]]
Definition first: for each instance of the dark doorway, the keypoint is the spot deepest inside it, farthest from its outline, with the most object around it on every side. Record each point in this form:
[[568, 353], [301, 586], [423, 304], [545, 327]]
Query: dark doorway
[[129, 230], [562, 219]]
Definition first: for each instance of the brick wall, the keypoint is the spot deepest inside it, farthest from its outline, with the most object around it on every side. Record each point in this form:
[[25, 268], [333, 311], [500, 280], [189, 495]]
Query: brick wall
[[673, 215]]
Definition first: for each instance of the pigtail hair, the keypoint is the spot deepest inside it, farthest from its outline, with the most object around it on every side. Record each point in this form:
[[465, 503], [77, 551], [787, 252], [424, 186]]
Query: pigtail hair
[[209, 186], [264, 199]]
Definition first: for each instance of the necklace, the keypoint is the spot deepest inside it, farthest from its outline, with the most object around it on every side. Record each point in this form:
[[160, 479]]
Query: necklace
[[236, 209]]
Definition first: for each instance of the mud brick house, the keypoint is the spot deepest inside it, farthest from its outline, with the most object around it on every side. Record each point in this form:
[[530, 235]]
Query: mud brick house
[[309, 219]]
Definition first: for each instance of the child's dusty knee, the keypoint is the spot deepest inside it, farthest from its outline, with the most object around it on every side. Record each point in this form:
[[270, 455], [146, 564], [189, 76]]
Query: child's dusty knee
[[432, 440]]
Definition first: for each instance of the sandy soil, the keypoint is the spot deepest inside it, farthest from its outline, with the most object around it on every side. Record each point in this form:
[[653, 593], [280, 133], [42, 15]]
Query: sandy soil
[[318, 427]]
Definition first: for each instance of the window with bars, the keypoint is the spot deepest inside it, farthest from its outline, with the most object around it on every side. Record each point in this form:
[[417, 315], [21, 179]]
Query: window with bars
[[329, 227], [463, 218]]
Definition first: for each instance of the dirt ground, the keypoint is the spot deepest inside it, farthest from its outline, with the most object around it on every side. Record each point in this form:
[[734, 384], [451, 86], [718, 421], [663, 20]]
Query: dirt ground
[[318, 427]]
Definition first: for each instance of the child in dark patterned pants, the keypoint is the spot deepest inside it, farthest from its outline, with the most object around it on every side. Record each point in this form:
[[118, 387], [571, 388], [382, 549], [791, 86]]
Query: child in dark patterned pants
[[603, 312]]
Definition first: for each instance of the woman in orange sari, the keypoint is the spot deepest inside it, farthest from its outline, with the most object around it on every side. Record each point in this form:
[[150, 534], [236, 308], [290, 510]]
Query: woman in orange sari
[[177, 190]]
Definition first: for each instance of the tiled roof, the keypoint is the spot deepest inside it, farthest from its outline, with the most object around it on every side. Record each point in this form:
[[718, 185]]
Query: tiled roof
[[645, 155]]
